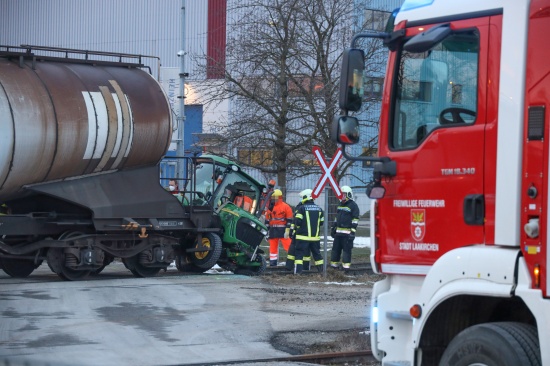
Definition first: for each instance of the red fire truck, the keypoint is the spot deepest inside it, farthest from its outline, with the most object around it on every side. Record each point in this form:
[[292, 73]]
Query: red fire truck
[[459, 215]]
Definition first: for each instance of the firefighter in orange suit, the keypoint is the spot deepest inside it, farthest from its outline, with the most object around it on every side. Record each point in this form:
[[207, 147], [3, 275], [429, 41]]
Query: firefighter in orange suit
[[278, 218]]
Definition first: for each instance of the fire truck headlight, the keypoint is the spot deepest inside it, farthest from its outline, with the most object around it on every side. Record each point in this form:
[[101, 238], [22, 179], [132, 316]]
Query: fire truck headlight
[[375, 314], [532, 228]]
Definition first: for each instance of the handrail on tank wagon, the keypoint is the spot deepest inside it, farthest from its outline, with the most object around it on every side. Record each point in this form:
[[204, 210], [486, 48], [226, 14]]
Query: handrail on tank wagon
[[124, 59]]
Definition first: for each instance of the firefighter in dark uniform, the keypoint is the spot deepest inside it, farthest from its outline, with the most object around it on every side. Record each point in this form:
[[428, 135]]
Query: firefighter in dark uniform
[[308, 220], [291, 253], [4, 209], [343, 230]]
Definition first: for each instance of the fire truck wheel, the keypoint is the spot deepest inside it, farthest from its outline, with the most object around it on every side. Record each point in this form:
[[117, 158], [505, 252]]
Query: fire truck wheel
[[18, 268], [207, 259], [494, 344]]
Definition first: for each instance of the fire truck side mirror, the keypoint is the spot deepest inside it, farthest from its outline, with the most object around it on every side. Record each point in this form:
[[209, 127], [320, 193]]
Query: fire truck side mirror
[[345, 130], [424, 41], [351, 79]]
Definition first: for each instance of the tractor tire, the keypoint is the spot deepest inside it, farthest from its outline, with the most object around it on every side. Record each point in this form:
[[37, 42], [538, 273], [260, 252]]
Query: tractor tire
[[253, 271], [208, 259], [494, 344], [183, 265]]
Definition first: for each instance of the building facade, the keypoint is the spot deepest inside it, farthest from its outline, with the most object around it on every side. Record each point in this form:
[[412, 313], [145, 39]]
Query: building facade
[[162, 29]]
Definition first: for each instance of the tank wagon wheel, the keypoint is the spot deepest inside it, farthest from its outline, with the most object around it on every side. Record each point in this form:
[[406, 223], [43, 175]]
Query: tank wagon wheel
[[59, 262], [18, 268], [207, 260], [498, 344], [138, 269], [253, 271], [108, 260]]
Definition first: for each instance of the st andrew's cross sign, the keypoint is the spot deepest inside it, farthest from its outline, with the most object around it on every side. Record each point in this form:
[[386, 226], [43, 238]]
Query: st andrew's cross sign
[[328, 170]]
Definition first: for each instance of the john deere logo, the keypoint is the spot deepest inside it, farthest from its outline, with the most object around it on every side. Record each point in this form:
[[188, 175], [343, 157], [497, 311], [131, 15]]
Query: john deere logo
[[418, 224]]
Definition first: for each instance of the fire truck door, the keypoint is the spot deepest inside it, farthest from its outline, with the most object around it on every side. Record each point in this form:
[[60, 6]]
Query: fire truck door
[[437, 135]]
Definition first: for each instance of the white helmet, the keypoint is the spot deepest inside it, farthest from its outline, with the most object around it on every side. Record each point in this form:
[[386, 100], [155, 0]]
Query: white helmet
[[348, 193], [305, 195]]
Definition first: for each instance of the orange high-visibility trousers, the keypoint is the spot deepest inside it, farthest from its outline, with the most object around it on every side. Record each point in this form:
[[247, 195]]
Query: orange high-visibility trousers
[[274, 247]]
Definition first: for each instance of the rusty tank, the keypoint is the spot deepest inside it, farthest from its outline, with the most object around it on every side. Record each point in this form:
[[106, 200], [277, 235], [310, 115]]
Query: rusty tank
[[81, 136], [62, 118]]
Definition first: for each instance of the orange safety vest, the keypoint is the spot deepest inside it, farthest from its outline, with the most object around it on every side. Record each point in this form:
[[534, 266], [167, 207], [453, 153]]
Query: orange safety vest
[[243, 202], [279, 218]]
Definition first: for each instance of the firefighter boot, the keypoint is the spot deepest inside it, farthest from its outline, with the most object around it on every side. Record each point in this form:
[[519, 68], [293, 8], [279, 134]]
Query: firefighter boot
[[289, 265]]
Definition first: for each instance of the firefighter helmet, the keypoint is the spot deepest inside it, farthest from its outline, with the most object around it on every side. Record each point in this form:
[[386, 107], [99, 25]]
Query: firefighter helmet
[[348, 193], [277, 193], [305, 195]]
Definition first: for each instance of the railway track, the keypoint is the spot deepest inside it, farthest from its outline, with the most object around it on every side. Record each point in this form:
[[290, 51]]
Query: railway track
[[357, 269], [332, 358]]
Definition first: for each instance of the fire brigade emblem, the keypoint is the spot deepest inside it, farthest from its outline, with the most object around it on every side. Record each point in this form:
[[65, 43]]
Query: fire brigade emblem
[[418, 224]]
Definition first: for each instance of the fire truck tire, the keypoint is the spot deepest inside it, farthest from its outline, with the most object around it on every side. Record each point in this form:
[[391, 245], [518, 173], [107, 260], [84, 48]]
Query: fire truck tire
[[18, 268], [207, 259], [494, 344]]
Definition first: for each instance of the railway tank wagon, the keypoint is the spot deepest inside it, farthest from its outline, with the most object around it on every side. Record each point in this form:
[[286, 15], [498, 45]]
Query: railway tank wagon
[[81, 134]]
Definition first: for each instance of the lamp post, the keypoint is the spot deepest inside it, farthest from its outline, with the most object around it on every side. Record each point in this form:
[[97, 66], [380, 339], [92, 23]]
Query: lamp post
[[180, 151]]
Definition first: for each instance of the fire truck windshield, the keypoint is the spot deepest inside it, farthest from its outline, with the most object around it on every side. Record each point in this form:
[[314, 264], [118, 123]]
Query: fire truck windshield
[[434, 89]]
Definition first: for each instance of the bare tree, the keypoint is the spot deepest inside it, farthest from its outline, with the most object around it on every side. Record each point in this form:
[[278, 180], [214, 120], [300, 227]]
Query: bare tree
[[282, 70]]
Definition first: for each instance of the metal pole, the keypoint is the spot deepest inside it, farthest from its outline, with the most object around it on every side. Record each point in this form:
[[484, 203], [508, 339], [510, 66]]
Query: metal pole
[[180, 149], [325, 259]]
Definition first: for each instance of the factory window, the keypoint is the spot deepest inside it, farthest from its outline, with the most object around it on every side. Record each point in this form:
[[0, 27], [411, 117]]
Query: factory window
[[256, 158]]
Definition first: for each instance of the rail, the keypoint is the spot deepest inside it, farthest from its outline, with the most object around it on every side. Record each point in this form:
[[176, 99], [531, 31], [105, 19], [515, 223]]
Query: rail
[[331, 358]]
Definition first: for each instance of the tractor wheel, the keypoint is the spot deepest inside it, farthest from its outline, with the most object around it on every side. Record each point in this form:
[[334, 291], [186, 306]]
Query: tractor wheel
[[494, 344], [183, 265], [18, 268], [253, 271], [208, 259]]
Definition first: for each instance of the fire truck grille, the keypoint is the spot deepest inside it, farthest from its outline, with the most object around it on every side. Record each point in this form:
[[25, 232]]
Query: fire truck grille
[[248, 234]]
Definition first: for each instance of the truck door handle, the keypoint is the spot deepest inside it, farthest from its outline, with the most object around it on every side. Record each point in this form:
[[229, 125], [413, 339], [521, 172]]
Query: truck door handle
[[474, 209]]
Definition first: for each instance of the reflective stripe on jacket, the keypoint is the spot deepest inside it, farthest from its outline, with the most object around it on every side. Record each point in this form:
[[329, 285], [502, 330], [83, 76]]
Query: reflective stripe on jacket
[[308, 221], [347, 218]]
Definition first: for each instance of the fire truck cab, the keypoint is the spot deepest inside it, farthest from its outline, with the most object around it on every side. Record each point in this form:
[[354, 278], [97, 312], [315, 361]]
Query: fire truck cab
[[459, 216]]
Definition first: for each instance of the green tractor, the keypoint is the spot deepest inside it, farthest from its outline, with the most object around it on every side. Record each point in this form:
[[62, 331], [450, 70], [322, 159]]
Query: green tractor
[[225, 205]]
